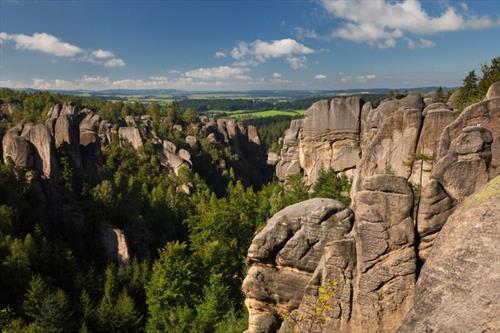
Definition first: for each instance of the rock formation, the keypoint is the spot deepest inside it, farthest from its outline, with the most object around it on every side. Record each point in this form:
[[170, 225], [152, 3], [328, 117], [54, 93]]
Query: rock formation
[[115, 244], [42, 150], [458, 287], [284, 256], [418, 256]]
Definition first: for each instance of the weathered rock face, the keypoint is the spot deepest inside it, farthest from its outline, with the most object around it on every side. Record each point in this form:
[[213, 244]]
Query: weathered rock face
[[457, 290], [18, 149], [437, 117], [115, 244], [284, 256], [419, 171], [330, 136], [386, 258], [392, 146], [289, 163], [132, 136], [45, 158], [468, 156]]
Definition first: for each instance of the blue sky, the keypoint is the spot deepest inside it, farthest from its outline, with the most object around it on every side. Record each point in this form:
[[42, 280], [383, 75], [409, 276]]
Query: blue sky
[[238, 45]]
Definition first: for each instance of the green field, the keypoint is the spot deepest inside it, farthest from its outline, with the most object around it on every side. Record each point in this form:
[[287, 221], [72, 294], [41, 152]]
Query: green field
[[250, 114]]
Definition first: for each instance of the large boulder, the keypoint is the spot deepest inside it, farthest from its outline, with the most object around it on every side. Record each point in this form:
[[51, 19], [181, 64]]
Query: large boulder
[[45, 158], [18, 149], [284, 256], [458, 287], [132, 136], [115, 244]]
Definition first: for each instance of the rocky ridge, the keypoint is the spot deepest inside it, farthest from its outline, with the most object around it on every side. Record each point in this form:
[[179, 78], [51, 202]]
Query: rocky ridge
[[414, 166], [84, 137]]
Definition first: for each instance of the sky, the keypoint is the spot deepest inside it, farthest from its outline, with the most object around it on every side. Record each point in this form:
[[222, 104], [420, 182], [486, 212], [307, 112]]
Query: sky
[[244, 45]]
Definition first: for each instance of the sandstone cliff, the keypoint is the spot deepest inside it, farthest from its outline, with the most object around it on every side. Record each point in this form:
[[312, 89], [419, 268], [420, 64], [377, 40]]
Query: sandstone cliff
[[415, 168]]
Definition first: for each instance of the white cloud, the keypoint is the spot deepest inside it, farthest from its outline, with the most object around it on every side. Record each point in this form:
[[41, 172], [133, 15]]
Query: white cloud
[[381, 22], [96, 82], [420, 43], [42, 42], [158, 78], [220, 54], [259, 51], [320, 77], [297, 62], [95, 79], [115, 62], [277, 75], [221, 72], [358, 78], [52, 45], [302, 33], [102, 54]]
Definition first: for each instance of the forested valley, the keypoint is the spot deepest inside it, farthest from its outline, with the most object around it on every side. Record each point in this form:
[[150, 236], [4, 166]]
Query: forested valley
[[187, 229]]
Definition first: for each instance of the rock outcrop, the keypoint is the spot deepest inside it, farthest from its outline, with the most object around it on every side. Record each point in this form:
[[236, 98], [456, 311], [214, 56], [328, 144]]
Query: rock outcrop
[[115, 244], [289, 163], [418, 257], [468, 156], [72, 144], [330, 136], [284, 256], [385, 254], [458, 287]]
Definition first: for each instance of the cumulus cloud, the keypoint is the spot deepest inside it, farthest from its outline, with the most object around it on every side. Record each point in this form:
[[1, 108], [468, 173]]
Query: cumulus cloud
[[259, 51], [420, 43], [358, 78], [320, 77], [302, 33], [102, 54], [220, 54], [42, 42], [221, 72], [382, 22], [115, 62], [158, 78], [52, 45], [297, 62], [276, 75]]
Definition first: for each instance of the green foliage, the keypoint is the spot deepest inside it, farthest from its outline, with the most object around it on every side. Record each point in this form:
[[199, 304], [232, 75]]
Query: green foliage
[[316, 310], [171, 287], [54, 273], [440, 96], [296, 191], [216, 302], [189, 116], [474, 88], [330, 185], [51, 311]]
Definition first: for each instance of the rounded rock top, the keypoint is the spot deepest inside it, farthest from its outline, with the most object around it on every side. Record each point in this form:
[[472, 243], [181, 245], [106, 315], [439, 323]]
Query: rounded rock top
[[493, 91]]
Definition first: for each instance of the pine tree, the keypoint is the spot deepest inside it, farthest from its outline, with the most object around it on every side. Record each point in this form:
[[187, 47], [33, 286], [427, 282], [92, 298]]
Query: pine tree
[[439, 96], [33, 299], [171, 286], [330, 185], [55, 313], [468, 91], [215, 304]]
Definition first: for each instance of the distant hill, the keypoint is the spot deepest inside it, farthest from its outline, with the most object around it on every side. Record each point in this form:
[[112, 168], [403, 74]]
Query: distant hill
[[254, 94]]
